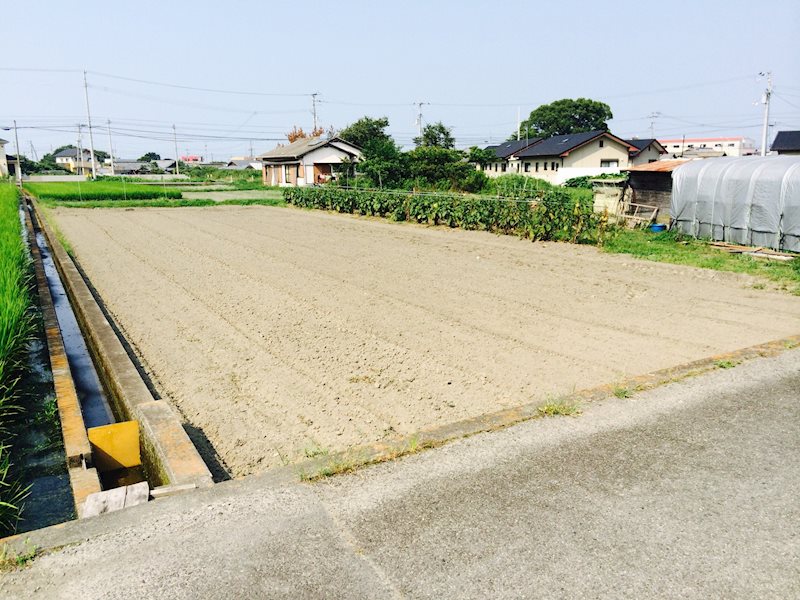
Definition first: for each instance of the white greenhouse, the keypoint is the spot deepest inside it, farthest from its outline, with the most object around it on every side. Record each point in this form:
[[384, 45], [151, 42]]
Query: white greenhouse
[[744, 200]]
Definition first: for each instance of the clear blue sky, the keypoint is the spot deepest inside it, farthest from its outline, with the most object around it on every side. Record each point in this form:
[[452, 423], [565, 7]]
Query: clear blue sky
[[695, 62]]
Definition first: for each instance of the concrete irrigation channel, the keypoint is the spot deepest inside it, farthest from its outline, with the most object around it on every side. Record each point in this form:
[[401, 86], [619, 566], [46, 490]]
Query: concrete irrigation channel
[[121, 446], [281, 335]]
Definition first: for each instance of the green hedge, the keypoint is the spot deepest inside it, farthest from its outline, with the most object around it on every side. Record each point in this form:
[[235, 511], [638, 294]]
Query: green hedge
[[100, 190], [556, 215]]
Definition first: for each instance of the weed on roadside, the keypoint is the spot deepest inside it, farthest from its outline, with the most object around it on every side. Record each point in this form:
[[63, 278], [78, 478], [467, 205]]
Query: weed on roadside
[[725, 364], [622, 392], [559, 408], [10, 560]]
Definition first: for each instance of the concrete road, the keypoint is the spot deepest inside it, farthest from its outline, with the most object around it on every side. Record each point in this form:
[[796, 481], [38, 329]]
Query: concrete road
[[688, 491]]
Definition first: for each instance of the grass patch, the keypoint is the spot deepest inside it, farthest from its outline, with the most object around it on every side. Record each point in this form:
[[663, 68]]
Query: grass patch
[[675, 248], [622, 392], [80, 191], [161, 203], [315, 450], [10, 560], [725, 364], [554, 408]]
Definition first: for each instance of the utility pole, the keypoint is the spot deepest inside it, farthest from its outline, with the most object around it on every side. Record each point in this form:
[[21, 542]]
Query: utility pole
[[314, 108], [110, 146], [89, 119], [19, 166], [419, 117], [79, 155], [34, 153], [251, 149], [653, 116], [518, 123], [177, 160], [765, 129]]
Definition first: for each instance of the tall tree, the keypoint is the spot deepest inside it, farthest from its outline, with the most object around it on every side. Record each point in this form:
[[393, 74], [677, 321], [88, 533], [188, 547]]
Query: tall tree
[[149, 157], [436, 134], [566, 116], [366, 130]]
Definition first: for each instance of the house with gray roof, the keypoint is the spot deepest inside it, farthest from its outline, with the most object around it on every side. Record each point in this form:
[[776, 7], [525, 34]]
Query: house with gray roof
[[307, 161], [787, 142], [561, 157]]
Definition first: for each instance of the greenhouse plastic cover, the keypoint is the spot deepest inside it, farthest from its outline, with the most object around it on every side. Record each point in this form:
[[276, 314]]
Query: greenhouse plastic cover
[[744, 200]]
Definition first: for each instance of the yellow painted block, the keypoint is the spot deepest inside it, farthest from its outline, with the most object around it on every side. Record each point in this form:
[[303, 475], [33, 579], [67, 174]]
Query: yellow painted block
[[115, 446]]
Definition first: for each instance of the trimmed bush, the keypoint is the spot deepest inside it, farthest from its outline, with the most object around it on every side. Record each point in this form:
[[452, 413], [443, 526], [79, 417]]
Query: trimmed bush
[[556, 215]]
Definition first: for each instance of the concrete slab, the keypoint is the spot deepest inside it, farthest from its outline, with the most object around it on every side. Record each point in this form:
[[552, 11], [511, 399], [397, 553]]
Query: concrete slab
[[103, 502]]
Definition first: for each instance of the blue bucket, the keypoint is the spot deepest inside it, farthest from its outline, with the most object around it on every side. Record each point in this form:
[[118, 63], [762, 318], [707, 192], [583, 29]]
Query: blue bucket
[[657, 227]]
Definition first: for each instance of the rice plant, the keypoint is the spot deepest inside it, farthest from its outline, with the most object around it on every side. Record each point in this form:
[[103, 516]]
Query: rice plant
[[16, 325]]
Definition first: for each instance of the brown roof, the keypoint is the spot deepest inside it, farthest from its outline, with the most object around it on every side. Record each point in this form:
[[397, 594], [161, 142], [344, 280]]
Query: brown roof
[[660, 166]]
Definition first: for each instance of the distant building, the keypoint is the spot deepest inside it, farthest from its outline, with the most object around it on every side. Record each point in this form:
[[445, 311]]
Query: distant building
[[68, 159], [307, 161], [561, 157], [645, 150], [709, 147], [243, 164], [787, 142], [3, 158]]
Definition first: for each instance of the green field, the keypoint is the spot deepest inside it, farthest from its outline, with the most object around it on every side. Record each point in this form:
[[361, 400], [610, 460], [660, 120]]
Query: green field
[[15, 329], [99, 190]]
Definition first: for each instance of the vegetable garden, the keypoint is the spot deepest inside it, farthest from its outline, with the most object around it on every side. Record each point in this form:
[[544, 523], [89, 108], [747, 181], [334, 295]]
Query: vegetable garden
[[554, 214]]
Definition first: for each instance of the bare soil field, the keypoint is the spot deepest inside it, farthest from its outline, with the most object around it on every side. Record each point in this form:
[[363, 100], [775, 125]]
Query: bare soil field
[[220, 195], [279, 333]]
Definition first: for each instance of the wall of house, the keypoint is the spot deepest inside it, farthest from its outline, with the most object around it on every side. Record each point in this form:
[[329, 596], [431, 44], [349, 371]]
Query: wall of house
[[3, 162], [329, 155], [591, 154], [647, 155]]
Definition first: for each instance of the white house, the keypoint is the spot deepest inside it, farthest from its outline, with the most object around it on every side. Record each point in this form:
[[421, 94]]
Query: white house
[[68, 159], [561, 157], [306, 161], [646, 150], [3, 159]]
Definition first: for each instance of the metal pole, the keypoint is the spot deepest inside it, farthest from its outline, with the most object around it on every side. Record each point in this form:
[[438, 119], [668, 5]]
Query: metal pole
[[518, 123], [19, 166], [89, 119], [314, 108], [177, 160], [110, 146], [765, 129]]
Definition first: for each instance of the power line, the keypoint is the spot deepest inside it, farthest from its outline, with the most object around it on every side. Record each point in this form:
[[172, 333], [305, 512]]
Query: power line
[[200, 89]]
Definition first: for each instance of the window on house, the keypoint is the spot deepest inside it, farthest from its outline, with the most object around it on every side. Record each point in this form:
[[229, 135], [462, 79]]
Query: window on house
[[287, 173], [527, 167], [731, 145], [690, 146], [495, 167], [554, 166], [537, 167], [544, 164], [503, 167], [601, 143], [609, 163], [676, 145]]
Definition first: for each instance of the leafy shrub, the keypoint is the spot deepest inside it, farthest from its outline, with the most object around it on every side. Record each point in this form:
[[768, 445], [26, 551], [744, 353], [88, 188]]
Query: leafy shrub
[[585, 181], [557, 215]]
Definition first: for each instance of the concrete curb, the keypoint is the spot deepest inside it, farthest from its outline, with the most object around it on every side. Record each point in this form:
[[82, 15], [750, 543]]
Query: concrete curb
[[167, 451]]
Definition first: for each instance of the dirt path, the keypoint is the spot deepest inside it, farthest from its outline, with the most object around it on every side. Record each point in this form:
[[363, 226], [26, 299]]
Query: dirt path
[[280, 333], [220, 195]]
